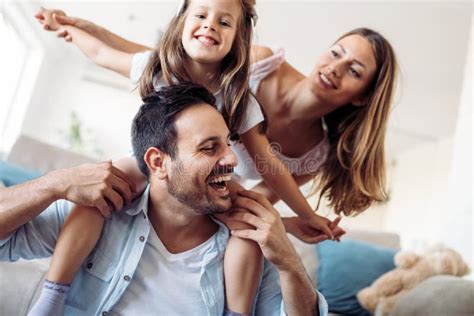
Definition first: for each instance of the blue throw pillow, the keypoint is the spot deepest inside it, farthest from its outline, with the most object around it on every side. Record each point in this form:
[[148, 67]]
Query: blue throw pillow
[[347, 267], [11, 174]]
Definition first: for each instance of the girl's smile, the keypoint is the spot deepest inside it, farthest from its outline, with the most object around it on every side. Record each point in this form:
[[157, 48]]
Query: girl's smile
[[209, 29]]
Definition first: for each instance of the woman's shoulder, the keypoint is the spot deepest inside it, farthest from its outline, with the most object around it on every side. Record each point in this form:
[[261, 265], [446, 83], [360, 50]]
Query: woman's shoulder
[[258, 53]]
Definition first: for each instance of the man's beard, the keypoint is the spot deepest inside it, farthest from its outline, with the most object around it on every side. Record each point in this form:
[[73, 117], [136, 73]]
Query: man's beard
[[189, 191]]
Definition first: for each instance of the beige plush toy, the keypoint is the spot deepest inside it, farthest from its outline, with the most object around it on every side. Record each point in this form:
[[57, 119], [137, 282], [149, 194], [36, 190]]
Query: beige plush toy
[[410, 270]]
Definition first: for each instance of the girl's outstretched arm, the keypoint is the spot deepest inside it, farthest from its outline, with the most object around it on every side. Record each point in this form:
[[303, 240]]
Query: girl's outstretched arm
[[280, 180], [53, 19], [97, 51]]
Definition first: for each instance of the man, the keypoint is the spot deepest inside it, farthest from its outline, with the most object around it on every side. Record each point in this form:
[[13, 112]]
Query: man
[[182, 144]]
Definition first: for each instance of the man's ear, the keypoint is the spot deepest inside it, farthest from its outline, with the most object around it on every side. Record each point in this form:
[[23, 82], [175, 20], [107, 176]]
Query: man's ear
[[154, 159]]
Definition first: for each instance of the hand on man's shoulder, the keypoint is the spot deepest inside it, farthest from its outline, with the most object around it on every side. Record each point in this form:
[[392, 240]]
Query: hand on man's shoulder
[[100, 185]]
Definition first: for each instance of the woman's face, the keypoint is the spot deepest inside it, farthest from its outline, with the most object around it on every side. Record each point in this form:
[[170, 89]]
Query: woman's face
[[343, 73]]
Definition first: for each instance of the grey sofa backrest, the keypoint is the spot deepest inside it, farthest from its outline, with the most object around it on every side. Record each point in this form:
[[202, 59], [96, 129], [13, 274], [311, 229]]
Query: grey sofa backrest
[[37, 155]]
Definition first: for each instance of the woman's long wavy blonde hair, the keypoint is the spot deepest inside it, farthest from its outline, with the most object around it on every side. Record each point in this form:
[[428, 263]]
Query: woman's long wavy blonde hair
[[353, 176], [233, 77]]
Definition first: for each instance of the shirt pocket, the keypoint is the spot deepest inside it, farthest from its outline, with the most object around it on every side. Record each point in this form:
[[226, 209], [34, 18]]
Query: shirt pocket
[[86, 292], [99, 266]]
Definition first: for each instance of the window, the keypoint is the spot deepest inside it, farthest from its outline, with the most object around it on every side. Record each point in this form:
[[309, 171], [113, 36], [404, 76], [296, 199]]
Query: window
[[20, 60], [12, 61]]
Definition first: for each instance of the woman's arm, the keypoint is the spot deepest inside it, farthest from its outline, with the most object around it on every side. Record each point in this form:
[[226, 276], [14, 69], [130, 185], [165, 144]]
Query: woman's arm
[[279, 179], [53, 19]]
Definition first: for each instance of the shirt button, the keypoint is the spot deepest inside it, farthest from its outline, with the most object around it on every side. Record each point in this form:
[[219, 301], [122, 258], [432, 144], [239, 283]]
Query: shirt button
[[89, 265], [142, 239], [126, 278]]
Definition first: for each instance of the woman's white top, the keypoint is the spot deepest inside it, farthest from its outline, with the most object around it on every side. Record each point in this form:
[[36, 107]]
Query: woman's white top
[[308, 163]]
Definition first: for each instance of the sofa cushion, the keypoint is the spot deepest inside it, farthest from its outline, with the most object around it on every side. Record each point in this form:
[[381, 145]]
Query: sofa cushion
[[11, 174], [21, 285], [347, 267], [438, 296], [34, 154]]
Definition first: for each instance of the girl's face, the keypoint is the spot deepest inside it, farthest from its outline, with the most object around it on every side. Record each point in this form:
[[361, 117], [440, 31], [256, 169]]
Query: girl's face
[[209, 29], [343, 73]]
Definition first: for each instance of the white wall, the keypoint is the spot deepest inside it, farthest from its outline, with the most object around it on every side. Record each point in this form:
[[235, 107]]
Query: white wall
[[22, 83], [419, 187], [432, 186], [107, 112], [460, 223]]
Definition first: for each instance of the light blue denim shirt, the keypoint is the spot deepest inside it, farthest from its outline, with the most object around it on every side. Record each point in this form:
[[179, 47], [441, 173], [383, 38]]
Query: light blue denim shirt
[[106, 273]]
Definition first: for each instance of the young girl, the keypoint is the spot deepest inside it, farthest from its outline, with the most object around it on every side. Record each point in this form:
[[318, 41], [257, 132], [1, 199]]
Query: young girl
[[208, 43]]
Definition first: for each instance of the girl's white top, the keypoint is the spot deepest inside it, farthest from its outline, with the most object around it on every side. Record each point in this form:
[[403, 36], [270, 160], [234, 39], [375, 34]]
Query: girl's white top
[[253, 117]]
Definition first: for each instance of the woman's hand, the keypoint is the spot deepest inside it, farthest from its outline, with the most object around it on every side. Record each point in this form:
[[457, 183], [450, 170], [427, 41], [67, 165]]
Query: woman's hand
[[319, 223], [301, 229]]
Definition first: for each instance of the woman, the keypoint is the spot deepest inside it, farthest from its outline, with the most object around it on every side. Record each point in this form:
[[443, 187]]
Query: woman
[[338, 113]]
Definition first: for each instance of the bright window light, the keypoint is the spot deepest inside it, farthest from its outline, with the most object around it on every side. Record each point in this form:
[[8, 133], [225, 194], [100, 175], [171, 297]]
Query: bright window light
[[12, 60]]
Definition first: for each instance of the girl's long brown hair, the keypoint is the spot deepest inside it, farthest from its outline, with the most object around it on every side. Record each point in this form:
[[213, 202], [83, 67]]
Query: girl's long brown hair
[[353, 176], [233, 77]]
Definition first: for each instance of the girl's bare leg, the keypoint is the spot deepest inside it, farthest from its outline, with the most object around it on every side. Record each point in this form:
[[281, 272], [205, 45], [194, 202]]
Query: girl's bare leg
[[79, 235], [243, 266]]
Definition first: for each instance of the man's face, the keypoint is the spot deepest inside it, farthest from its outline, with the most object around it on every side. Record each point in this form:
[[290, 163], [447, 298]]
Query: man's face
[[204, 162]]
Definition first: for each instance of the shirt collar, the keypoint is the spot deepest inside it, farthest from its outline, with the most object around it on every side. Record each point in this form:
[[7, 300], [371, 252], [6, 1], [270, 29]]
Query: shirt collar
[[139, 205]]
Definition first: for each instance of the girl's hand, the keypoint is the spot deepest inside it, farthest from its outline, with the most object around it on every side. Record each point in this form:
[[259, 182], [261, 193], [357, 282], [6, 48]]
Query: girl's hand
[[62, 32], [319, 223], [54, 20], [336, 230], [48, 18]]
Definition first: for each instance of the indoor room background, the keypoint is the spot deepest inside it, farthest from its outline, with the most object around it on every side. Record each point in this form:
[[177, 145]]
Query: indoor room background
[[48, 88]]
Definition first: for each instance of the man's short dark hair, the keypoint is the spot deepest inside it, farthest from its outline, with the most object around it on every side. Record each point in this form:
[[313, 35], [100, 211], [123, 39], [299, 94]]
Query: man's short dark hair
[[154, 124]]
